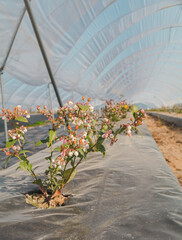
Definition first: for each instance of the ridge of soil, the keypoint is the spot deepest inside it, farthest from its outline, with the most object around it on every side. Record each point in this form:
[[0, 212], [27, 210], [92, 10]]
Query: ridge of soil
[[169, 140]]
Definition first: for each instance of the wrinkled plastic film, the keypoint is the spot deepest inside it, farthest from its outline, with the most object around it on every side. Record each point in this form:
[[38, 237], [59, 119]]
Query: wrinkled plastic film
[[102, 48], [129, 194]]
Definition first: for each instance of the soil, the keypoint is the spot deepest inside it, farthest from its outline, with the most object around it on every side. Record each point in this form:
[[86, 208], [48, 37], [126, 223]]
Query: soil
[[169, 140], [40, 201]]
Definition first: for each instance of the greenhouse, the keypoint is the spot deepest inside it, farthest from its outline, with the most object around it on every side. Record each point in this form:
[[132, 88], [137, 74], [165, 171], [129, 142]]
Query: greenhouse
[[91, 119]]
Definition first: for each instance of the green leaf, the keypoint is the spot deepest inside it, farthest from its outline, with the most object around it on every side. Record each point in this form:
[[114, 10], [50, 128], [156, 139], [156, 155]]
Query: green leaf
[[105, 127], [52, 135], [135, 109], [59, 183], [119, 130], [81, 152], [83, 108], [7, 160], [41, 142], [28, 142], [100, 140], [65, 145], [10, 142], [29, 168], [21, 119], [90, 140], [38, 123], [102, 150], [94, 121], [48, 144], [24, 151], [24, 165], [69, 174], [48, 158], [38, 143], [35, 168], [23, 158], [58, 149], [140, 131], [38, 182], [115, 118]]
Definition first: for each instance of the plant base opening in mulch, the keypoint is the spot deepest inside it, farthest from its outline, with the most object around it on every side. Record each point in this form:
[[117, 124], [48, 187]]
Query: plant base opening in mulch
[[38, 200]]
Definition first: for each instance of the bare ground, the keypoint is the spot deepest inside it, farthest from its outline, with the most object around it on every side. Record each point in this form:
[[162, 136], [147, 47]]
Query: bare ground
[[169, 140]]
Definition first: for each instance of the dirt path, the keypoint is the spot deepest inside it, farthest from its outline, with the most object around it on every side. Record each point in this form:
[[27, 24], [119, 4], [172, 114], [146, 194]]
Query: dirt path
[[169, 139], [171, 114]]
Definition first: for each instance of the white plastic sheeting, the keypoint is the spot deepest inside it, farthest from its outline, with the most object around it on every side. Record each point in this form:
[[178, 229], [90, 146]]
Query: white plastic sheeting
[[97, 48]]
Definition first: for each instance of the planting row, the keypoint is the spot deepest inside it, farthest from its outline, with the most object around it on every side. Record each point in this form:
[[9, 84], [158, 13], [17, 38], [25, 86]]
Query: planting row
[[86, 132]]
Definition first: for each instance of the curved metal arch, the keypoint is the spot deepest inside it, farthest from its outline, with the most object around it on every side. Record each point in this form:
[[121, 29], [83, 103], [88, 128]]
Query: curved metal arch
[[157, 95], [138, 53], [136, 61], [119, 83], [125, 16], [131, 57], [145, 98], [37, 100], [133, 74], [132, 95], [37, 88], [111, 65], [135, 55], [119, 65], [55, 26], [109, 49], [69, 53], [130, 100], [133, 82], [118, 90], [17, 91], [63, 94], [131, 90], [9, 82], [125, 75], [152, 94], [141, 34]]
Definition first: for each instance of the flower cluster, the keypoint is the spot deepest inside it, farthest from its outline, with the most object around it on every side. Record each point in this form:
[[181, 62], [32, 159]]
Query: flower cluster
[[49, 114], [17, 112], [86, 132], [72, 145], [12, 151], [110, 136], [136, 120], [115, 111], [139, 116], [17, 133], [79, 114]]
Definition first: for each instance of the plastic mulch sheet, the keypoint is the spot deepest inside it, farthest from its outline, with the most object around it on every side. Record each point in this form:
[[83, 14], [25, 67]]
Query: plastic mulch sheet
[[129, 194]]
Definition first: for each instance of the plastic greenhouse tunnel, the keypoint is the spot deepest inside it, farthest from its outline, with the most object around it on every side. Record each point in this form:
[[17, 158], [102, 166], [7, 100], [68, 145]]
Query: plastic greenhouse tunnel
[[79, 79]]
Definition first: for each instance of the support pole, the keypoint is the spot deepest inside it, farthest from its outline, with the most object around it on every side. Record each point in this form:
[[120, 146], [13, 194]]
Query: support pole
[[34, 25], [12, 40], [3, 65], [3, 105], [51, 99]]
